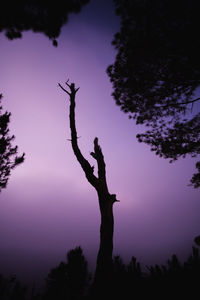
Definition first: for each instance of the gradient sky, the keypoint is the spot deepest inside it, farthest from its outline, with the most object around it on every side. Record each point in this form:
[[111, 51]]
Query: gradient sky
[[49, 207]]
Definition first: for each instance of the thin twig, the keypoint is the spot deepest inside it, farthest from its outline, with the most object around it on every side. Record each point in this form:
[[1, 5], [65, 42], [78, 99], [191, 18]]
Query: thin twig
[[63, 89]]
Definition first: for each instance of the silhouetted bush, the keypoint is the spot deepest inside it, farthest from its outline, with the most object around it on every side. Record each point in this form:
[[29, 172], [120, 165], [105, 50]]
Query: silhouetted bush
[[69, 280], [11, 289]]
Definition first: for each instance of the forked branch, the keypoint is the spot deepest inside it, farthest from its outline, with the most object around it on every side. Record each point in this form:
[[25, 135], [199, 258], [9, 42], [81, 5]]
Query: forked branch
[[99, 181]]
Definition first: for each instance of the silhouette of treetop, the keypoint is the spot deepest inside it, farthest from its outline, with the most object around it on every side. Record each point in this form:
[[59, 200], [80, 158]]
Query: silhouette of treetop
[[39, 16]]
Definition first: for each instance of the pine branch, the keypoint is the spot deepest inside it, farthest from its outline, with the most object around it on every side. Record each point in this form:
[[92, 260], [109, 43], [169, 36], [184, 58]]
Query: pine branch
[[180, 103]]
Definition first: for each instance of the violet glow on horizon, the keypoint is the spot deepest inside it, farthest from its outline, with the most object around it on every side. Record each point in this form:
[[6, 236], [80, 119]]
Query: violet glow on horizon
[[49, 207]]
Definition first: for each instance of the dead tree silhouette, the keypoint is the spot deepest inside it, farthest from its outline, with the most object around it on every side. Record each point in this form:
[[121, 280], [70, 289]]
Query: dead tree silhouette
[[106, 200]]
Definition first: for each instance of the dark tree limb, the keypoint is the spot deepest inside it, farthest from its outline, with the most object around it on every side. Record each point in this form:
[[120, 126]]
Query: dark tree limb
[[100, 181], [63, 89], [87, 168]]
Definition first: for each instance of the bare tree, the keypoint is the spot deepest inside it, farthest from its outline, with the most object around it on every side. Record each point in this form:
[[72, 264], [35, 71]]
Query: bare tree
[[106, 200]]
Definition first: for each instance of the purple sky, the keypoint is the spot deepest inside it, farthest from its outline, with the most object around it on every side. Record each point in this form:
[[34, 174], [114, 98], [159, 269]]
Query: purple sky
[[49, 207]]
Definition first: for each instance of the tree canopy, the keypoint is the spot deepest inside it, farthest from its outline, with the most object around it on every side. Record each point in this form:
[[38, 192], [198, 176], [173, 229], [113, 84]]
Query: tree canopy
[[156, 73], [8, 154], [40, 16]]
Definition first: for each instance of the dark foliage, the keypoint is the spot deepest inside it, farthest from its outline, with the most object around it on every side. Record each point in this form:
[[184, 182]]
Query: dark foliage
[[40, 16], [8, 154], [69, 280], [170, 281], [157, 72], [11, 289]]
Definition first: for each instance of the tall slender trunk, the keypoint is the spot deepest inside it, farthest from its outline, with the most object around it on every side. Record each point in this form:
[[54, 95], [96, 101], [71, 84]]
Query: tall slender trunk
[[106, 200], [104, 258]]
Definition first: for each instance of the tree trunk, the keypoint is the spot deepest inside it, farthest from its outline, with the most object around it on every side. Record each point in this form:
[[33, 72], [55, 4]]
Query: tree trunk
[[104, 258]]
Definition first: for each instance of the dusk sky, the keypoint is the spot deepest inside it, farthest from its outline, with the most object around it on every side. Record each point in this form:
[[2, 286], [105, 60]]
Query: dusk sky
[[48, 206]]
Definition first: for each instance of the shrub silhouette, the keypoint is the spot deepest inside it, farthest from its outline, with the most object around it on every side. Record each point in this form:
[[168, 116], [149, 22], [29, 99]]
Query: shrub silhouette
[[70, 279], [11, 289]]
